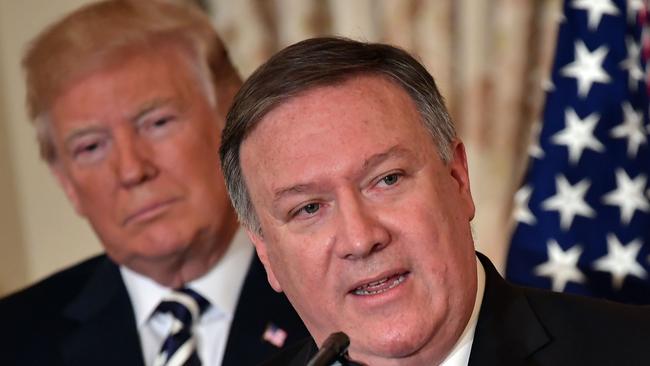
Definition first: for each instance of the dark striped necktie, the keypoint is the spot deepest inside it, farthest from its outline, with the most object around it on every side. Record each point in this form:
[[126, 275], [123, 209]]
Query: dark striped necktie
[[179, 348]]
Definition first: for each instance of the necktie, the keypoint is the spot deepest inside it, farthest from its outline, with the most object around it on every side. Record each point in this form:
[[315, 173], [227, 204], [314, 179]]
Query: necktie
[[179, 348]]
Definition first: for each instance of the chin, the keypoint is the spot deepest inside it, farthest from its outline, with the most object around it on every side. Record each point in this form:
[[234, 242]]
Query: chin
[[169, 248], [392, 344], [158, 245]]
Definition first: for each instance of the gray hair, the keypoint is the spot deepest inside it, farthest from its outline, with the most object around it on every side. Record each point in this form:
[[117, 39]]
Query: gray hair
[[315, 63]]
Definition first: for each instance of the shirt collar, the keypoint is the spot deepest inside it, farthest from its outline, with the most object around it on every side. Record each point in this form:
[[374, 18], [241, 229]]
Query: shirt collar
[[460, 353], [221, 285]]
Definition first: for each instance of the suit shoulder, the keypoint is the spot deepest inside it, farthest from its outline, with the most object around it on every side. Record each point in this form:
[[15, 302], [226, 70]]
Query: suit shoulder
[[49, 294], [564, 311], [258, 308]]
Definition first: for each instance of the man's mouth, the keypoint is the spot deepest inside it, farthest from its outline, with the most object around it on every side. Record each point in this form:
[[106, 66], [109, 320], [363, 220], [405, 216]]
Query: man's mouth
[[382, 285], [149, 211]]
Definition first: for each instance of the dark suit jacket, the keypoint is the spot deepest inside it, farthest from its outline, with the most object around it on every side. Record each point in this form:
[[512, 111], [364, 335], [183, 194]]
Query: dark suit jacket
[[83, 316], [522, 326]]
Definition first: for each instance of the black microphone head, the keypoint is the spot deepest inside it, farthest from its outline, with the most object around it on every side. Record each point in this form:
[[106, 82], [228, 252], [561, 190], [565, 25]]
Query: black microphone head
[[334, 347], [338, 341]]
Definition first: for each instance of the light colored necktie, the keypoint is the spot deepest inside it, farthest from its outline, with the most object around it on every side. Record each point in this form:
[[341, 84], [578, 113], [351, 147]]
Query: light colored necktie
[[179, 348]]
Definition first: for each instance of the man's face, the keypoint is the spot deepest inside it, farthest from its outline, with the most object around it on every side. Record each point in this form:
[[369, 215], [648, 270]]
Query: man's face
[[138, 157], [363, 226]]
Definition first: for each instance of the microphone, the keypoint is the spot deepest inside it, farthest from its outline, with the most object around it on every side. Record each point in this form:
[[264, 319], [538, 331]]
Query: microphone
[[334, 347]]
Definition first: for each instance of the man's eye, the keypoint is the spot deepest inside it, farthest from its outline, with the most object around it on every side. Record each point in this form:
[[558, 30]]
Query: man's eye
[[158, 127], [161, 122], [90, 151], [309, 209], [390, 179], [87, 148]]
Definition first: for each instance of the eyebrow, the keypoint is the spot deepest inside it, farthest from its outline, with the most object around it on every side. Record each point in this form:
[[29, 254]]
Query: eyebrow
[[392, 152], [372, 161], [80, 132], [147, 108]]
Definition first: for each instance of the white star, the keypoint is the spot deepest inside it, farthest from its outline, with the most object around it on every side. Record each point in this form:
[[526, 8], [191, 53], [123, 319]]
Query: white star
[[628, 195], [569, 201], [632, 63], [578, 135], [595, 9], [561, 266], [620, 261], [522, 212], [633, 9], [587, 68], [631, 128], [534, 149]]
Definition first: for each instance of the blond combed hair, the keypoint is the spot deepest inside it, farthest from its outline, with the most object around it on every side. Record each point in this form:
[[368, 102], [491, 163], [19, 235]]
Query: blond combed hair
[[102, 34]]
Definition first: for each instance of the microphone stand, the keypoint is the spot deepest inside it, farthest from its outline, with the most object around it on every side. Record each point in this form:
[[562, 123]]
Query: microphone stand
[[334, 347]]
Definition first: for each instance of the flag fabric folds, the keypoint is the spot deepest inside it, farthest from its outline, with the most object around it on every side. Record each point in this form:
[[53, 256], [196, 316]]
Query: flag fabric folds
[[583, 212]]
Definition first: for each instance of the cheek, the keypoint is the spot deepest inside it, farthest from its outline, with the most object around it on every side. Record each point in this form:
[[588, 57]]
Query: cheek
[[192, 161], [287, 264], [442, 213], [196, 165], [194, 147], [440, 236], [96, 194], [297, 263], [303, 276]]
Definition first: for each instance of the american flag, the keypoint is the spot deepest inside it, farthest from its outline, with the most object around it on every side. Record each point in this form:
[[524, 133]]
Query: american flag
[[274, 335], [583, 212]]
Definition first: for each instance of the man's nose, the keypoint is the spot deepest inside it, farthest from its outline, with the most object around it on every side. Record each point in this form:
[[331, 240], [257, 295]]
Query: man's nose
[[360, 230], [135, 164]]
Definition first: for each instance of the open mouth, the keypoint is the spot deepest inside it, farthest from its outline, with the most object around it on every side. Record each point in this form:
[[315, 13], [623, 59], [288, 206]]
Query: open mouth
[[381, 285]]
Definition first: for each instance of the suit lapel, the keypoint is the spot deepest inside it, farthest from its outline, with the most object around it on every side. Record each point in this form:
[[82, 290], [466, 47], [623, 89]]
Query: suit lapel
[[305, 354], [508, 331], [105, 331], [257, 307]]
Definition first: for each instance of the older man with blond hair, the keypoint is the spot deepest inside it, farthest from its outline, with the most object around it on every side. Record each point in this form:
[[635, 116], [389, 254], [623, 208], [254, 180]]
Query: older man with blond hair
[[128, 99]]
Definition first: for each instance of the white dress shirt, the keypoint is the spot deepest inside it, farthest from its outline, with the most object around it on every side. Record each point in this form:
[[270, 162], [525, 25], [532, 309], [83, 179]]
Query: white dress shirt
[[459, 355], [221, 286]]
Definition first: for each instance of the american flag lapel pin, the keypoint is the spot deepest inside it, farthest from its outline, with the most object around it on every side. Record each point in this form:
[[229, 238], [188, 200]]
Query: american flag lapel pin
[[274, 335]]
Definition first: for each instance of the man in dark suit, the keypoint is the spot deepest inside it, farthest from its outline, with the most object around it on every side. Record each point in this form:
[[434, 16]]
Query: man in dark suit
[[345, 168], [128, 99]]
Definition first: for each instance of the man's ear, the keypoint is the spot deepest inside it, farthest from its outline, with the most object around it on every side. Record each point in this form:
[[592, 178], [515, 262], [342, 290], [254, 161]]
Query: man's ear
[[67, 186], [261, 249], [460, 173]]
